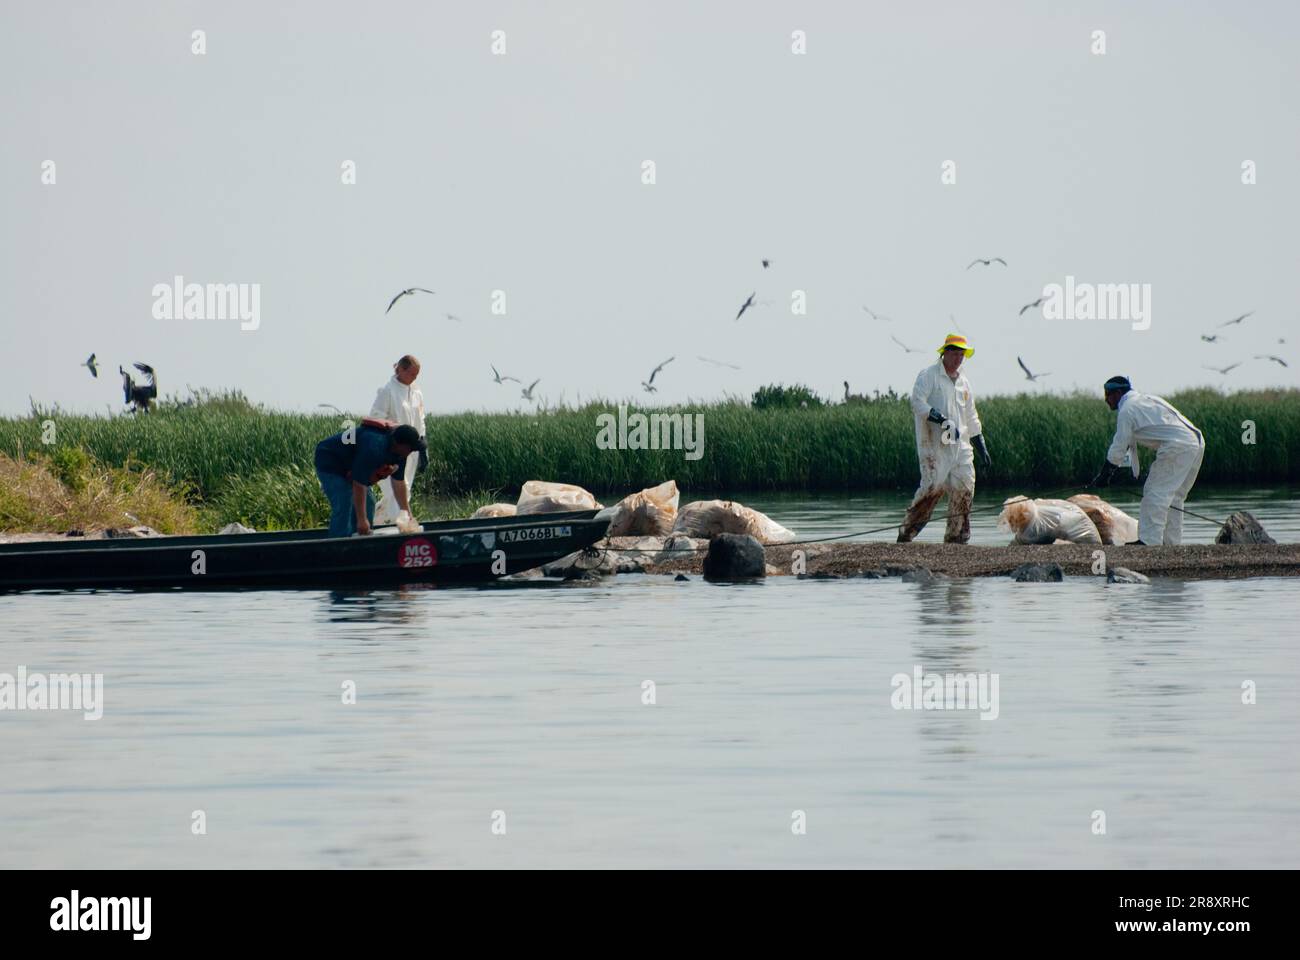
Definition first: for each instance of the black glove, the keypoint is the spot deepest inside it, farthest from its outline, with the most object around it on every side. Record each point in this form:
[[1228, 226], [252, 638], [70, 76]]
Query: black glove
[[937, 417], [978, 443], [424, 462], [1105, 475]]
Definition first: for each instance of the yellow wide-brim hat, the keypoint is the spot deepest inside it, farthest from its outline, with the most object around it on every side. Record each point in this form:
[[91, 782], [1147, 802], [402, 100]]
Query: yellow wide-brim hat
[[953, 340]]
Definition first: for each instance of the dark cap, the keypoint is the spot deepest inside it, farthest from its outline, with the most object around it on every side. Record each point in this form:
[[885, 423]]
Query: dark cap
[[407, 436], [1118, 383]]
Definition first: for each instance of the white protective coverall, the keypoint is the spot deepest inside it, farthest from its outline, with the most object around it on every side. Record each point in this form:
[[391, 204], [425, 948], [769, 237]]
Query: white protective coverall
[[1180, 447], [945, 467], [404, 404]]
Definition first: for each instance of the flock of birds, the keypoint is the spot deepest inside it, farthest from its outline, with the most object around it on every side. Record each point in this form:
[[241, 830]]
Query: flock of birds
[[139, 397], [1217, 337]]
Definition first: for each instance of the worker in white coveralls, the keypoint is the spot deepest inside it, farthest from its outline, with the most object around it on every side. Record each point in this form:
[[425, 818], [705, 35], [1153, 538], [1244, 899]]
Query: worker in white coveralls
[[948, 435], [1180, 447], [400, 401]]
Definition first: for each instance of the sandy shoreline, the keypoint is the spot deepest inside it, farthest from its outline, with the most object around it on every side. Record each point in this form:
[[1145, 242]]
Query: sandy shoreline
[[1187, 562]]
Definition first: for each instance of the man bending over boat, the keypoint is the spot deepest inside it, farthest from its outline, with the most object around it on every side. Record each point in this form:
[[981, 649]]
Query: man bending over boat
[[353, 459]]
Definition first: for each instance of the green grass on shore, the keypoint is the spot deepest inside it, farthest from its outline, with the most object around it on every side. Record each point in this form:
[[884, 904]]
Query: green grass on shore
[[233, 458]]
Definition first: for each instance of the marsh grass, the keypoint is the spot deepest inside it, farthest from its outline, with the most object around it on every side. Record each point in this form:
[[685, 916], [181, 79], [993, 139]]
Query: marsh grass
[[237, 461]]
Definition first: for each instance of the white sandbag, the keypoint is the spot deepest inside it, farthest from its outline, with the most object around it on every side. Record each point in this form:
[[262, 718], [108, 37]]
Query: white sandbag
[[1046, 521], [234, 528], [651, 512], [494, 510], [708, 518], [1112, 523], [405, 523], [539, 496]]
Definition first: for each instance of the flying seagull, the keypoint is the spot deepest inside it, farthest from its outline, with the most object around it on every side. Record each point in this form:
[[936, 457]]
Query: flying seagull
[[766, 264], [986, 263], [1237, 319], [452, 316], [719, 363], [1224, 370], [1028, 375], [500, 379], [902, 344], [1213, 339], [406, 293], [94, 367], [747, 304], [876, 316], [1030, 306], [1269, 356], [527, 393], [957, 327], [649, 385], [139, 397]]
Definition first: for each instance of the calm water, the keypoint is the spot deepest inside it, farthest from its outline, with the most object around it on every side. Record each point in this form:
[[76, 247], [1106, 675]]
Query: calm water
[[771, 698]]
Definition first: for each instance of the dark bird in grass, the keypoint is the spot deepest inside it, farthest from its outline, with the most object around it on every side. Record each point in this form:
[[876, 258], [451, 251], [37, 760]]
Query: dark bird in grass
[[766, 264], [719, 363], [500, 379], [986, 263], [1224, 370], [1213, 339], [1269, 356], [527, 392], [139, 396], [94, 367], [902, 344], [1031, 306], [747, 304], [406, 293], [1028, 375], [649, 385], [1237, 319]]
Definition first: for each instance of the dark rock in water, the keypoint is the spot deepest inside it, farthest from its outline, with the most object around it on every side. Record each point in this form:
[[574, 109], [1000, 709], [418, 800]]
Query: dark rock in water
[[922, 575], [893, 570], [682, 576], [874, 574], [820, 575], [734, 556], [1038, 573], [1125, 575], [579, 574], [1241, 527]]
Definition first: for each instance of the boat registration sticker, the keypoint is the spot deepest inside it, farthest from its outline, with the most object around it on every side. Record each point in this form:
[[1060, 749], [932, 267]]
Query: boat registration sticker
[[529, 534], [417, 552]]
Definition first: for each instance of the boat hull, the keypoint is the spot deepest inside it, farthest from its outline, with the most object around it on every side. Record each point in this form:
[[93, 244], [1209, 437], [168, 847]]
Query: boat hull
[[454, 551]]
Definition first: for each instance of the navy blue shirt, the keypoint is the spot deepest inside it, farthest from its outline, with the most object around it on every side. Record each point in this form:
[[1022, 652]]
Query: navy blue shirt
[[361, 459]]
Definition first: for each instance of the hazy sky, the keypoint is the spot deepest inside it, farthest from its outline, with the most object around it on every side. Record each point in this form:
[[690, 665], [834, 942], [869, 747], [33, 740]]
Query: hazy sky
[[523, 172]]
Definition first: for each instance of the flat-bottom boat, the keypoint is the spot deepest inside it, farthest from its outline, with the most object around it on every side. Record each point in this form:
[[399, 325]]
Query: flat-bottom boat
[[446, 551]]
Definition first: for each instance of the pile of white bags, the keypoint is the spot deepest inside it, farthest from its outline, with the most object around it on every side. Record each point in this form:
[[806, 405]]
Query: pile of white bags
[[1112, 523], [538, 496], [494, 510], [1046, 521], [651, 512], [708, 518]]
